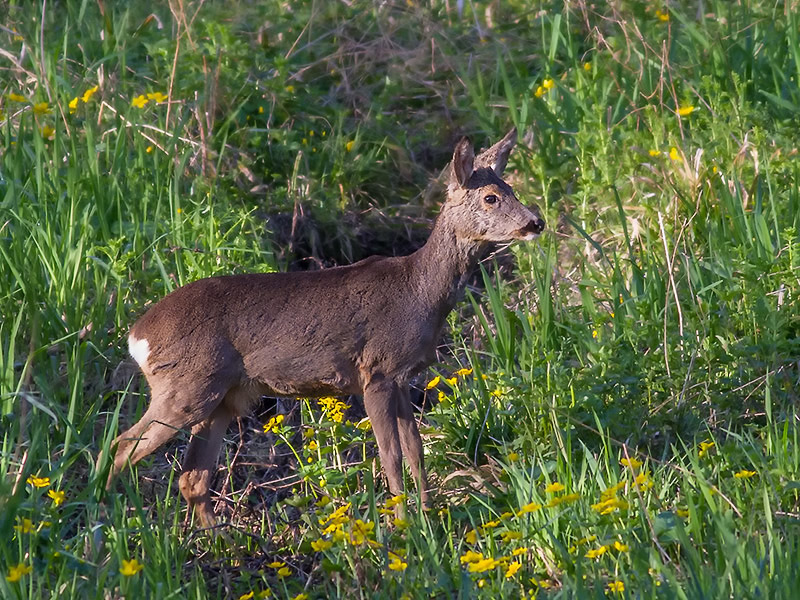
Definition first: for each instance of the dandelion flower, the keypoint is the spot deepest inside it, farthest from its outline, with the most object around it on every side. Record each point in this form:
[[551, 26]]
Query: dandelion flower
[[130, 567]]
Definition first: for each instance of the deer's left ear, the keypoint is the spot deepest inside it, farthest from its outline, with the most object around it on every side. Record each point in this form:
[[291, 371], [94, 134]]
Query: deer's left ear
[[496, 157]]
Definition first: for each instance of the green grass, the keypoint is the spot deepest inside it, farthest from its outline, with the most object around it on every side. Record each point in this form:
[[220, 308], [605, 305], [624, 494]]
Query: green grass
[[656, 315]]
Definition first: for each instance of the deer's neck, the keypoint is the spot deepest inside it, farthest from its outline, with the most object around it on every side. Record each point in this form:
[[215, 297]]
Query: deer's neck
[[443, 265]]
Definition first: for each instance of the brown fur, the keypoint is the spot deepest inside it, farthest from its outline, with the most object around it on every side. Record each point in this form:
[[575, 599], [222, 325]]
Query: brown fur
[[217, 344]]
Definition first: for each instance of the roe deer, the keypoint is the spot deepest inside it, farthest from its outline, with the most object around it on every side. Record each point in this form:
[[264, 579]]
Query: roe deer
[[212, 347]]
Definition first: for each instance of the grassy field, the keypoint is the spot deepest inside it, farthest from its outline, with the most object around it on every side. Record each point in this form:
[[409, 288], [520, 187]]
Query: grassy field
[[616, 409]]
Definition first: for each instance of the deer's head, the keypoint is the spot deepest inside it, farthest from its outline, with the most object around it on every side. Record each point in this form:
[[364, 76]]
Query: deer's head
[[481, 206]]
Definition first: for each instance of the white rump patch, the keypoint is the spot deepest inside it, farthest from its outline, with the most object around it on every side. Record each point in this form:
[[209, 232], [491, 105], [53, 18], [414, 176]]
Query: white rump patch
[[139, 349]]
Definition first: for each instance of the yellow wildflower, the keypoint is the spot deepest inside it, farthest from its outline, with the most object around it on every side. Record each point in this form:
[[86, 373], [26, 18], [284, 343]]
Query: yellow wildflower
[[529, 508], [16, 98], [139, 101], [620, 547], [684, 111], [612, 491], [483, 565], [87, 95], [512, 457], [157, 97], [548, 84], [704, 448], [57, 496], [471, 537], [464, 372], [320, 545], [273, 424], [507, 536], [554, 488], [284, 572], [48, 132], [17, 572], [587, 66], [675, 155], [400, 523], [290, 89], [301, 596], [518, 551], [682, 513], [41, 108], [25, 526], [662, 16], [265, 593], [654, 153], [596, 552], [633, 463], [73, 105], [643, 481], [276, 564], [490, 525], [744, 474], [397, 564], [512, 569], [616, 586], [247, 596], [470, 557], [313, 445], [130, 567], [433, 383], [506, 515], [349, 146], [395, 500], [452, 380], [38, 482], [539, 92]]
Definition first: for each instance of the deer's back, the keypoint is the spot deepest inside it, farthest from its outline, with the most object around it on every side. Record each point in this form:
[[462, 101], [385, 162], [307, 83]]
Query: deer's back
[[304, 333]]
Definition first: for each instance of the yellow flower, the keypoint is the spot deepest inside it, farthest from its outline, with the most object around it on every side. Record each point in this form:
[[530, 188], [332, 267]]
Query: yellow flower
[[539, 92], [301, 596], [684, 111], [17, 572], [704, 448], [276, 564], [620, 547], [587, 66], [471, 537], [284, 572], [139, 101], [395, 500], [397, 564], [662, 16], [558, 500], [643, 481], [507, 515], [290, 88], [320, 545], [744, 474], [247, 596], [38, 482], [633, 463], [87, 95], [529, 508], [57, 496], [470, 557], [512, 569], [349, 146], [548, 84], [452, 380], [616, 586], [265, 593], [682, 513], [507, 536], [483, 565], [433, 383], [273, 424], [313, 445], [612, 491], [610, 505], [16, 98], [654, 153], [596, 552], [130, 567], [157, 97], [41, 108], [149, 149], [554, 488], [400, 523], [513, 457], [73, 105], [48, 132], [464, 372], [518, 551], [25, 526], [675, 155]]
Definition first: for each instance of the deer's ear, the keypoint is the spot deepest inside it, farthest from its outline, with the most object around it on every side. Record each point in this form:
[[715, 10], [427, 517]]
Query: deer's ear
[[462, 165], [496, 157]]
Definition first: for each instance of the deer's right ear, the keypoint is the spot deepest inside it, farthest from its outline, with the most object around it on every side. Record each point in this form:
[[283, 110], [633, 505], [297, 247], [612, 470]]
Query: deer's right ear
[[462, 165]]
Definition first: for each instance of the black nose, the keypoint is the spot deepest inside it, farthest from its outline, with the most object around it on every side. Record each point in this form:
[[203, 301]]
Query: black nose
[[534, 226]]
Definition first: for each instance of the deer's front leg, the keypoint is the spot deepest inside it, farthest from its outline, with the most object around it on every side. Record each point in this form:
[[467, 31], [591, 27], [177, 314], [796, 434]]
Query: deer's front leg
[[380, 402], [412, 443]]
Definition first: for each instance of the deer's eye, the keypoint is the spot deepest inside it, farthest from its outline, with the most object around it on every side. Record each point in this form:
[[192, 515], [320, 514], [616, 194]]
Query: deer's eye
[[490, 199]]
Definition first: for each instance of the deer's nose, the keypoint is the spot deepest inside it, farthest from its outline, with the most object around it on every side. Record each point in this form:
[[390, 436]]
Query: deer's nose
[[534, 226]]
